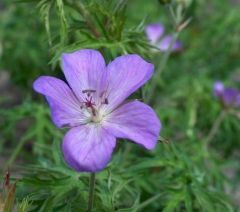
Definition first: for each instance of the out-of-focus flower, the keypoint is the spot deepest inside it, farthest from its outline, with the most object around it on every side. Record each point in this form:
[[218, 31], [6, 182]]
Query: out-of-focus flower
[[155, 34], [229, 97], [93, 105]]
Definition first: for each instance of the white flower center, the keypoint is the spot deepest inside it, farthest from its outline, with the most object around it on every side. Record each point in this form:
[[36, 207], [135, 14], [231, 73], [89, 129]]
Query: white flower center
[[92, 109]]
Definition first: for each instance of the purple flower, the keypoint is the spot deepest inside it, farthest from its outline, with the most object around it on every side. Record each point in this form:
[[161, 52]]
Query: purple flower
[[93, 106], [155, 33], [229, 97]]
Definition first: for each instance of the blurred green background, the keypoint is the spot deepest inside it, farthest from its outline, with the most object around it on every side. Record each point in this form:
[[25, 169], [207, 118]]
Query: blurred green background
[[180, 175]]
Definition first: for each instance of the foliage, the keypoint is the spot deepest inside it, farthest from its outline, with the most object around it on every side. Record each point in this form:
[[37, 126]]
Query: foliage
[[183, 174]]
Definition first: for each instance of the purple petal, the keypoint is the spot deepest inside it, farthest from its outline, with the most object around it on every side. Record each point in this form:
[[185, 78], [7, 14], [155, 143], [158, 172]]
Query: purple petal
[[238, 100], [218, 88], [164, 44], [154, 32], [65, 109], [135, 121], [126, 74], [230, 97], [84, 69], [88, 148]]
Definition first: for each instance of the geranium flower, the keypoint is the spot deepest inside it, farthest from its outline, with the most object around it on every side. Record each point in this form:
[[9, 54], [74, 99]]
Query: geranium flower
[[93, 106], [155, 34], [229, 97]]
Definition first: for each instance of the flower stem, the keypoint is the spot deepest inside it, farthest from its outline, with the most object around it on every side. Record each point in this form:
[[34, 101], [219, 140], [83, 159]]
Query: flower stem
[[215, 128], [91, 192], [142, 98], [17, 150], [177, 19], [159, 71]]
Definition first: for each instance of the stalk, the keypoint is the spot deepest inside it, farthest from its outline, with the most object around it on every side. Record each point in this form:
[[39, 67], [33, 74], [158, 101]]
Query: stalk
[[162, 65], [177, 19], [215, 128], [91, 192]]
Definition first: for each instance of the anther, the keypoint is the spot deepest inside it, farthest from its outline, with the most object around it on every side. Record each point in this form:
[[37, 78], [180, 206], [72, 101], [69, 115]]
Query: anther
[[105, 101], [88, 91]]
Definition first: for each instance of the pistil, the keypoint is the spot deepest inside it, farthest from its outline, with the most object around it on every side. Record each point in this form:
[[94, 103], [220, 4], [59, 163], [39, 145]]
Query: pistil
[[91, 106]]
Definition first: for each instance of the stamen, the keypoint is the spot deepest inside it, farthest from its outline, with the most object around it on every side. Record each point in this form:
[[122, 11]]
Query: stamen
[[104, 98], [105, 101], [93, 111], [88, 103], [102, 93], [88, 91]]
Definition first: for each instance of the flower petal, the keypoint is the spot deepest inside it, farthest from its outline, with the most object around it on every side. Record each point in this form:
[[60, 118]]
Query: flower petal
[[154, 32], [218, 88], [65, 108], [238, 100], [84, 69], [164, 44], [135, 121], [125, 75], [230, 97], [88, 148]]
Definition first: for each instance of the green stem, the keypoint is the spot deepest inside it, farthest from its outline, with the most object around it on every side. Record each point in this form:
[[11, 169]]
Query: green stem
[[159, 71], [177, 20], [91, 192], [142, 97], [16, 151], [148, 201], [86, 16], [215, 128]]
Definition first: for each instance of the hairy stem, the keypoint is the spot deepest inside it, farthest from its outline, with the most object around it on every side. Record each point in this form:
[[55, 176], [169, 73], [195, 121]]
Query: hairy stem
[[91, 192]]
